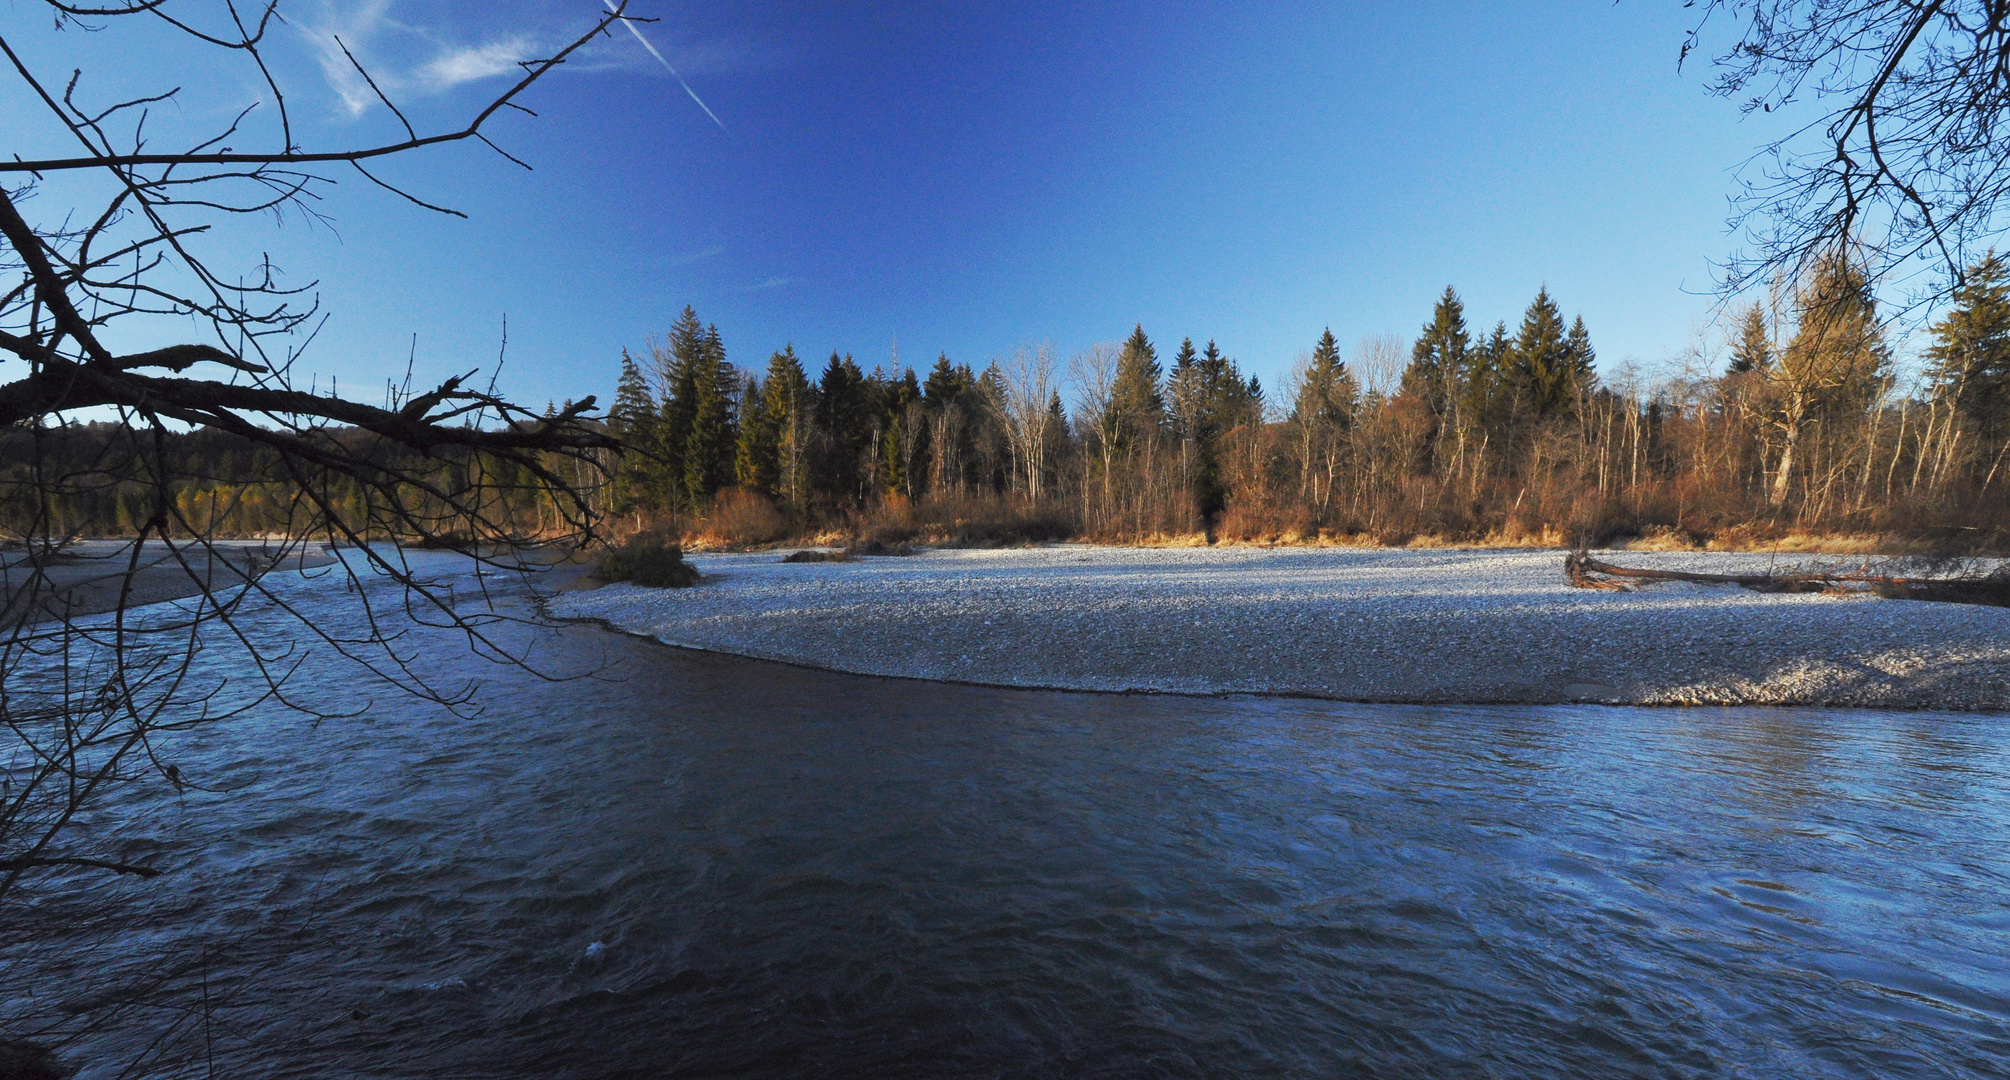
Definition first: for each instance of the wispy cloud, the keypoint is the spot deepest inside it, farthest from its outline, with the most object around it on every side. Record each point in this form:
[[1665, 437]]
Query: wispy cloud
[[470, 63], [708, 253], [403, 59], [771, 283], [666, 66]]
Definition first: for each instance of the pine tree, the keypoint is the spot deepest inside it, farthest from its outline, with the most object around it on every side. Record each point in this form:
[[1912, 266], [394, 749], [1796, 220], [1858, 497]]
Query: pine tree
[[1969, 359], [1754, 349], [1542, 361], [1136, 402]]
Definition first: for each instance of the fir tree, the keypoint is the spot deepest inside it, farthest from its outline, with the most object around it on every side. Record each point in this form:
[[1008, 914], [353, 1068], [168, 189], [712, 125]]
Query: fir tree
[[1969, 359], [1754, 349]]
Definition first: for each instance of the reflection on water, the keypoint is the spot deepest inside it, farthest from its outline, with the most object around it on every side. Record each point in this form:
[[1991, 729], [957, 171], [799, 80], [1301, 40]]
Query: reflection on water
[[709, 866]]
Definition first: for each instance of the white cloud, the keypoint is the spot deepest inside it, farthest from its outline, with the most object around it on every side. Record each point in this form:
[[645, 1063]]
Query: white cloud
[[403, 59], [470, 63]]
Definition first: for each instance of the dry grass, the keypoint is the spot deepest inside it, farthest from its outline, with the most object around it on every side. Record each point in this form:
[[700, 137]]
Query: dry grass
[[741, 521]]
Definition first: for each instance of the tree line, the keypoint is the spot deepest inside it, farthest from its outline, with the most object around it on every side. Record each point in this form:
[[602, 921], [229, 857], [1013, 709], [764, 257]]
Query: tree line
[[1507, 434]]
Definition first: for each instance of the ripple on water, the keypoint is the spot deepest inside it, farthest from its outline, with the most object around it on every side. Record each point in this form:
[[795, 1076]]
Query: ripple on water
[[711, 865]]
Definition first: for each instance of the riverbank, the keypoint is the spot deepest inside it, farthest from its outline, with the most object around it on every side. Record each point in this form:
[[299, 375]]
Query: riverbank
[[1398, 625], [95, 576]]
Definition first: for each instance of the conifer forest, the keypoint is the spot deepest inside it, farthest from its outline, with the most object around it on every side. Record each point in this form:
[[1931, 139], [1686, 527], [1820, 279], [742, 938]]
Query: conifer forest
[[1807, 425]]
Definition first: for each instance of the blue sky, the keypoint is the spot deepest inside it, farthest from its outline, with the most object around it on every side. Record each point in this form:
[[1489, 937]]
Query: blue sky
[[975, 177]]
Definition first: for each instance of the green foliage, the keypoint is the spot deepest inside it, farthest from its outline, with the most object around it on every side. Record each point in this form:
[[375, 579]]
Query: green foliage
[[1970, 355], [1327, 392], [781, 448], [1137, 406], [845, 413], [1753, 351], [634, 420], [1544, 363], [680, 369], [1438, 360], [647, 560], [756, 458], [710, 445], [1838, 353]]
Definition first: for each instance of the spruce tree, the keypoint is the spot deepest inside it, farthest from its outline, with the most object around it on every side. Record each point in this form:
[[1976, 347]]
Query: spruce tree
[[1138, 405], [1184, 391], [1754, 348], [788, 408], [1582, 358], [688, 356], [1320, 416], [633, 420], [1969, 359], [1327, 391], [1439, 356], [900, 397], [755, 452], [945, 382], [709, 445], [1542, 362], [845, 412]]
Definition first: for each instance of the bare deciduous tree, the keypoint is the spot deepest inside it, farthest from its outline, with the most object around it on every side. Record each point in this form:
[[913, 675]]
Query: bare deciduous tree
[[97, 323], [1029, 385], [1904, 148]]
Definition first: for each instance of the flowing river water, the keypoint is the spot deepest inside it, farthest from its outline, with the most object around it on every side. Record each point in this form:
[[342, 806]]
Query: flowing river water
[[697, 865]]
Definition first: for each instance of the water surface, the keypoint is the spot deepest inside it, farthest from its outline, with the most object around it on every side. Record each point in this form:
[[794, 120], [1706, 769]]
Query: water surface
[[698, 865]]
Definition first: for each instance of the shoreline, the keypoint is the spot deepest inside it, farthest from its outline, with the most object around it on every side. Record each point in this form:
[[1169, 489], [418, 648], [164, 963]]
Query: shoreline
[[1399, 626], [90, 579]]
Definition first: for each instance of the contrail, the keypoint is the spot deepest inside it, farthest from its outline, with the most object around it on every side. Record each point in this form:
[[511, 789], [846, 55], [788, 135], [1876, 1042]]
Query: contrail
[[668, 68]]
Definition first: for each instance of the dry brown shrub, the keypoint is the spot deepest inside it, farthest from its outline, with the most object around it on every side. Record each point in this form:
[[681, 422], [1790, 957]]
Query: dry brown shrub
[[742, 519]]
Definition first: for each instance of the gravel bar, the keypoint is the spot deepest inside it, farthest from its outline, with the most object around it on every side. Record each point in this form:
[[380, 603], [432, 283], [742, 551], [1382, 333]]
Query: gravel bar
[[1446, 626]]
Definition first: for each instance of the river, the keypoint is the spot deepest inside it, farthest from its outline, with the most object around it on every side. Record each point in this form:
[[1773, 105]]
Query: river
[[697, 865]]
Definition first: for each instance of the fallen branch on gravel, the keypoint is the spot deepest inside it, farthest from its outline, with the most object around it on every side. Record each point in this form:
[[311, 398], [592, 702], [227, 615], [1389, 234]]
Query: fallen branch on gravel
[[1585, 572]]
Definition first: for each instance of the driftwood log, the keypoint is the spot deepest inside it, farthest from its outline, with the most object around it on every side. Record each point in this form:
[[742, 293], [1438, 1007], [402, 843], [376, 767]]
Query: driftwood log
[[1585, 572]]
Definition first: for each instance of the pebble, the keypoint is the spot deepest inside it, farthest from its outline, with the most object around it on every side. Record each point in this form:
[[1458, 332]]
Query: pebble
[[1446, 626]]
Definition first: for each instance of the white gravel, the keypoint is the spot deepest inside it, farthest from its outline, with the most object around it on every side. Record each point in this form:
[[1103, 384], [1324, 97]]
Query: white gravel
[[1359, 625]]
